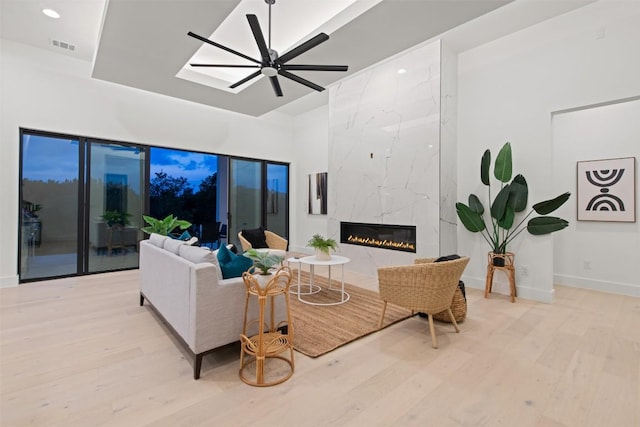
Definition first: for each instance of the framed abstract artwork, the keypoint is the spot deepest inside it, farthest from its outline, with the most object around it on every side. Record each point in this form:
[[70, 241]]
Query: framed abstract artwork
[[607, 190], [318, 193]]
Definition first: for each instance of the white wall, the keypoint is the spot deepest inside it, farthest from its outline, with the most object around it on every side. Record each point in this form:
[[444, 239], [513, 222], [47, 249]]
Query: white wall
[[311, 149], [52, 92], [610, 249], [508, 90]]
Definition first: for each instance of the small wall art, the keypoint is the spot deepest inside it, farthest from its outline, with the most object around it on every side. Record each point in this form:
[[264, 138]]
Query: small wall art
[[318, 193], [607, 190]]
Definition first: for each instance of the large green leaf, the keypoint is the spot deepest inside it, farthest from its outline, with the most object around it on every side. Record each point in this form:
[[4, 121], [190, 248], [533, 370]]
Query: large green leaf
[[500, 203], [470, 219], [164, 226], [475, 204], [546, 225], [548, 206], [502, 169], [519, 193], [485, 164], [507, 219]]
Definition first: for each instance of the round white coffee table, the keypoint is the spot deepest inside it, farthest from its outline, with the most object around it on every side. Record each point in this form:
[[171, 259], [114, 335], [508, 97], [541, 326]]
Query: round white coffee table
[[312, 261], [298, 289]]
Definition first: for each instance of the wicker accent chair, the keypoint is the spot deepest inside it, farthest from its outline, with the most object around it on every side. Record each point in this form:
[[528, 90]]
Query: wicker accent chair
[[427, 287], [273, 241]]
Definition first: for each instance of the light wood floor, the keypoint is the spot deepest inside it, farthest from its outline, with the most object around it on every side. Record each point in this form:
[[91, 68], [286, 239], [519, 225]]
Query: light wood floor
[[81, 352]]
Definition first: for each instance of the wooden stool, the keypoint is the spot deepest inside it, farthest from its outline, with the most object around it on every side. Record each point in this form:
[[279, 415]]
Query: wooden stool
[[509, 268], [272, 338]]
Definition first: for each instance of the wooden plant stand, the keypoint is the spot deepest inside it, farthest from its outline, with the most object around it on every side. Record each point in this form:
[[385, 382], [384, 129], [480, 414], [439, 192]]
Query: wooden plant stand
[[509, 268]]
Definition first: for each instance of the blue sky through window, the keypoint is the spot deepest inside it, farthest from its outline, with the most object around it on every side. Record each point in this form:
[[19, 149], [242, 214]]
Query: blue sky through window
[[178, 163], [47, 158]]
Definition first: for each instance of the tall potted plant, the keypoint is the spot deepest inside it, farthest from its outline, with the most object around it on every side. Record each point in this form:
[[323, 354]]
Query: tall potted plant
[[510, 200]]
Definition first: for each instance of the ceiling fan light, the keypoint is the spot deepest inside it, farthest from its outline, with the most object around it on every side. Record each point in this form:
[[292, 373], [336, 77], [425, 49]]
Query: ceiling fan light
[[269, 71]]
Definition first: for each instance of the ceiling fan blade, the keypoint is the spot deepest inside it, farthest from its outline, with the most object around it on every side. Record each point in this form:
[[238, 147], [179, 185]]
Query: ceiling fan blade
[[276, 85], [257, 34], [246, 79], [315, 67], [225, 65], [218, 45], [309, 44], [300, 80]]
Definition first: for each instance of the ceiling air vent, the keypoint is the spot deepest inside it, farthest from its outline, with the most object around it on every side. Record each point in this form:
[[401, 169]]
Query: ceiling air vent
[[63, 45]]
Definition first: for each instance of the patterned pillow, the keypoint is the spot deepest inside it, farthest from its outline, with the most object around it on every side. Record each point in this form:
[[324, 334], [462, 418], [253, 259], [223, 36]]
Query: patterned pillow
[[232, 265]]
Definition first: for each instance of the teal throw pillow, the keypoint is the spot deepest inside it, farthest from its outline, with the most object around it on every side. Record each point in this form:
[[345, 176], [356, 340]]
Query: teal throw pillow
[[232, 265], [184, 236]]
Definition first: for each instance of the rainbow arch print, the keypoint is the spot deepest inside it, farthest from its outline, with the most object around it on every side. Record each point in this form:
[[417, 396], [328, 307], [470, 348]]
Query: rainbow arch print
[[606, 190]]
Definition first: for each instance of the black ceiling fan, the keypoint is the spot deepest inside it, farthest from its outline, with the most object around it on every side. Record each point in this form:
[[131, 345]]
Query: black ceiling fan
[[271, 64]]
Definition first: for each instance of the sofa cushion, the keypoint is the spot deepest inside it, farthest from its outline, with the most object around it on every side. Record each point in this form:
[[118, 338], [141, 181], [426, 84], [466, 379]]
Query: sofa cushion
[[232, 265], [157, 239], [197, 254], [256, 237], [173, 245]]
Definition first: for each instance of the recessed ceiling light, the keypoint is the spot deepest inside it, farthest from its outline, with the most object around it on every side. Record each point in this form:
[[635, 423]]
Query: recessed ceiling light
[[51, 13], [402, 71]]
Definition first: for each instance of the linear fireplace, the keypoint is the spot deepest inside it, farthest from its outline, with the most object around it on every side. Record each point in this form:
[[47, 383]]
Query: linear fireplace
[[394, 237]]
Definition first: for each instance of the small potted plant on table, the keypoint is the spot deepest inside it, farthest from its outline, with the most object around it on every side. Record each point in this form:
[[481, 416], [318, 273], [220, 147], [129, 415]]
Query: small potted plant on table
[[263, 260], [322, 246]]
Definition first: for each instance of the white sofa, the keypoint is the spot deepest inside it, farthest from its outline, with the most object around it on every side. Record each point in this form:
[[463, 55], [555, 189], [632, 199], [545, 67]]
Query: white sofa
[[185, 287]]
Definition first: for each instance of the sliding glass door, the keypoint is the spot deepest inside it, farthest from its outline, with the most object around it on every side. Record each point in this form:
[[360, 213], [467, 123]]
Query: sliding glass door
[[81, 205], [258, 197], [82, 200], [116, 204], [49, 192], [245, 197], [277, 199]]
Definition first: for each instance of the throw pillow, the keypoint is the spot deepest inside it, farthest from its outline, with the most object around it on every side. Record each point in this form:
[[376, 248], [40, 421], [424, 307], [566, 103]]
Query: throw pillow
[[232, 265], [184, 236], [447, 258], [256, 237]]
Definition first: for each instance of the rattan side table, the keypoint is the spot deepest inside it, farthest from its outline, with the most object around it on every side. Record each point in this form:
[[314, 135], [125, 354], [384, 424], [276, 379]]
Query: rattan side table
[[273, 336]]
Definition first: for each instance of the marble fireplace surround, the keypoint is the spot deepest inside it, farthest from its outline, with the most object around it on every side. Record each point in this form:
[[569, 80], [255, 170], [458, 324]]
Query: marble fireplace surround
[[390, 129]]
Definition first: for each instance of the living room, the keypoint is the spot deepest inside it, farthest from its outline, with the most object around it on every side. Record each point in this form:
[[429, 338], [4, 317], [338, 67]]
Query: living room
[[572, 71]]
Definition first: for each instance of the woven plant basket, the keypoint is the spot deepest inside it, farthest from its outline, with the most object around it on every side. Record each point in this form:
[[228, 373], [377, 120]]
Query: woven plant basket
[[458, 308]]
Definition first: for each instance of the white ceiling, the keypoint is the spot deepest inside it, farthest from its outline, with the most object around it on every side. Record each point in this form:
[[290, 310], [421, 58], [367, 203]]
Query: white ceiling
[[144, 43]]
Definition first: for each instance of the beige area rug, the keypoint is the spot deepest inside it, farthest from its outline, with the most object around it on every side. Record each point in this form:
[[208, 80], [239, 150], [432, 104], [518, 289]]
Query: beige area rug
[[321, 329]]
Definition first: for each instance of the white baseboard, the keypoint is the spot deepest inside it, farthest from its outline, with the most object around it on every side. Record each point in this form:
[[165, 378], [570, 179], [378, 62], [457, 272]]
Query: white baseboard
[[524, 292], [597, 285], [9, 281]]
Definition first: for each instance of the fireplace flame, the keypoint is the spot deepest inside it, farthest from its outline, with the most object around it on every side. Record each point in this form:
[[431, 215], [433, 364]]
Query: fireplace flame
[[369, 241]]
